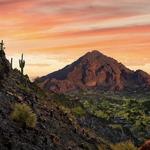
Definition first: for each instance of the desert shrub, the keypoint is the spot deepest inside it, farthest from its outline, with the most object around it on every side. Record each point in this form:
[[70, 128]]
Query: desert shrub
[[24, 88], [86, 104], [116, 126], [124, 146], [79, 111], [23, 113], [101, 114]]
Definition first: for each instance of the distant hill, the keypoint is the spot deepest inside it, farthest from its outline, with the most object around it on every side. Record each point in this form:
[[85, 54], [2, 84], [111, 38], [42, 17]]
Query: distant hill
[[94, 70]]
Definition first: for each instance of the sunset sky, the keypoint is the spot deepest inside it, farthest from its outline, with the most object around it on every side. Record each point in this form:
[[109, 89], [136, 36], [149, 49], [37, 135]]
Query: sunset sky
[[53, 33]]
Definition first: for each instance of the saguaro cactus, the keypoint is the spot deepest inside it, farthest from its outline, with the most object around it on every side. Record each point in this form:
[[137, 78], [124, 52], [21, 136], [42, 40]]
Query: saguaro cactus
[[2, 46], [22, 64], [11, 62]]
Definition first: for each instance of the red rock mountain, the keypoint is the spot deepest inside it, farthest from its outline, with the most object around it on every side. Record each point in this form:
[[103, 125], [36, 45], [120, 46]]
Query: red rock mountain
[[94, 70]]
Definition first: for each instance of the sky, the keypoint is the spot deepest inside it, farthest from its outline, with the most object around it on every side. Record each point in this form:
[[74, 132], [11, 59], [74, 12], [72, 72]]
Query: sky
[[53, 33]]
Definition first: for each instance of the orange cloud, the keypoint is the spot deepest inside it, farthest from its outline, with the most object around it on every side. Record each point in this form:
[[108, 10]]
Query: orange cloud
[[45, 27]]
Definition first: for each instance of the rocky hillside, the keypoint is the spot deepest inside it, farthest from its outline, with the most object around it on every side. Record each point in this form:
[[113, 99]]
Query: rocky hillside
[[55, 128], [94, 70]]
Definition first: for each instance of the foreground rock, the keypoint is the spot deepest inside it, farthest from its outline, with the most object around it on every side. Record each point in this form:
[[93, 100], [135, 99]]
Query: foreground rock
[[146, 146]]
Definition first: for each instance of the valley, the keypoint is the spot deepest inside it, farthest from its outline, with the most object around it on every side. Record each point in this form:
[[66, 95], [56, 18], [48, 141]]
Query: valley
[[114, 116]]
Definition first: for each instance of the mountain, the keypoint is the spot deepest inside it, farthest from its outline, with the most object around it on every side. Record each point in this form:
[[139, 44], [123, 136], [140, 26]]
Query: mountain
[[55, 128], [104, 96], [94, 70], [85, 120]]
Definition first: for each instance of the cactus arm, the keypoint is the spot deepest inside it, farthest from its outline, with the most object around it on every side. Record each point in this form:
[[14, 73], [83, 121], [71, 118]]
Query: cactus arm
[[11, 62], [2, 46], [22, 64]]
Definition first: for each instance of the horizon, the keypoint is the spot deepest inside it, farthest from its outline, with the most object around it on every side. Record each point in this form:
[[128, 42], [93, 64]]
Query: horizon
[[59, 32], [34, 77]]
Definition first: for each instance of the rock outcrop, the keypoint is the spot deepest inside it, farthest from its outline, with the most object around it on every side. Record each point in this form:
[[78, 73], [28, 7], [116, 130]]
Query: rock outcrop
[[146, 146], [94, 70]]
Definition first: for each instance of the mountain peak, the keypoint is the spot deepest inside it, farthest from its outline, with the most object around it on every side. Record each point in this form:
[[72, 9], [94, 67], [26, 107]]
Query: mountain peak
[[94, 70], [94, 53]]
